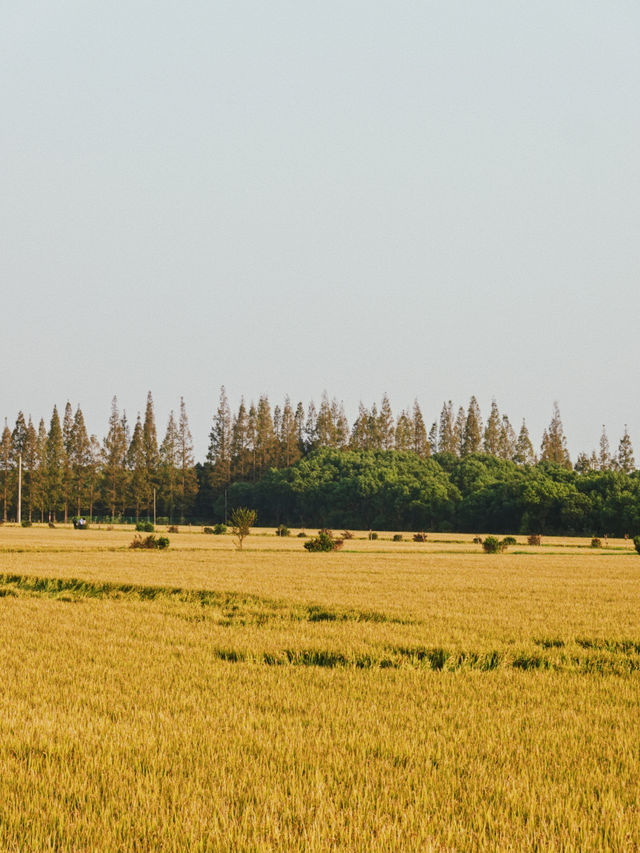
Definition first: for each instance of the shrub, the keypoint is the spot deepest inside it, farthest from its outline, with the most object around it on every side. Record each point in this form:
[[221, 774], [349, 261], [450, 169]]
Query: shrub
[[324, 541], [636, 542], [347, 534], [510, 540], [419, 537], [173, 528], [492, 545], [25, 523], [219, 529], [596, 543], [477, 540], [282, 530], [534, 539], [372, 535], [144, 527], [52, 525], [151, 541], [302, 535], [397, 537], [208, 530]]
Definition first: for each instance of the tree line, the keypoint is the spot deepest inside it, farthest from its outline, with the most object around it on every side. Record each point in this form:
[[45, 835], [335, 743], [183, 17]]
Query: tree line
[[67, 472]]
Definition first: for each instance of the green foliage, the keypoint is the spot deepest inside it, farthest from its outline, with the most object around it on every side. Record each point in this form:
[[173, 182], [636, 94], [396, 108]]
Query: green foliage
[[373, 535], [397, 537], [302, 535], [534, 539], [25, 523], [596, 543], [144, 527], [324, 541], [208, 530], [492, 545], [173, 528], [219, 529], [636, 542], [420, 537], [281, 530], [509, 540], [149, 542]]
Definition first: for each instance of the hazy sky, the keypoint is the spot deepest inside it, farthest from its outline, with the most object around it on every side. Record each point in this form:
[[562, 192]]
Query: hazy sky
[[432, 199]]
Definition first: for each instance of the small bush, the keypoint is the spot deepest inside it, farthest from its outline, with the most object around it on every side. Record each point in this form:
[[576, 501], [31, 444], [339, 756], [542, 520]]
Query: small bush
[[324, 541], [152, 541], [596, 543], [372, 535], [534, 539], [208, 530], [144, 527], [419, 537], [492, 545], [510, 540], [347, 534], [636, 542], [173, 528], [397, 537], [282, 530], [302, 535], [477, 540], [52, 525], [219, 529], [25, 523], [162, 519]]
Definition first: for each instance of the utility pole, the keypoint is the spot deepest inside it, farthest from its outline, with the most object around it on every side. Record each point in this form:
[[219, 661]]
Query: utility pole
[[19, 488]]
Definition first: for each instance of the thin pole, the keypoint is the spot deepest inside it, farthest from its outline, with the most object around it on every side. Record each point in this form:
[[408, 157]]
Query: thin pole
[[154, 506], [19, 488]]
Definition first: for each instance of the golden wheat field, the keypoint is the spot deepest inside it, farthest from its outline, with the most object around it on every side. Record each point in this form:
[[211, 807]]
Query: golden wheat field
[[389, 696]]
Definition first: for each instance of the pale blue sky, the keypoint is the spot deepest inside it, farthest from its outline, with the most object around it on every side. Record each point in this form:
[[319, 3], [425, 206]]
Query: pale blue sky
[[431, 199]]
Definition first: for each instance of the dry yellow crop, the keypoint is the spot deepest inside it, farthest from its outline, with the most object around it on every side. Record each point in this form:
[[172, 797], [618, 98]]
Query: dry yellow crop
[[390, 696]]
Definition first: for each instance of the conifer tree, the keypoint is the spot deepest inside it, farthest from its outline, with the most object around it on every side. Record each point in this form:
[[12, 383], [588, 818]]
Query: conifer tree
[[79, 456], [340, 424], [239, 448], [220, 450], [30, 462], [404, 432], [420, 443], [252, 441], [554, 443], [446, 430], [604, 452], [115, 461], [67, 428], [524, 454], [458, 431], [42, 468], [584, 464], [54, 466], [289, 445], [325, 427], [299, 419], [277, 432], [433, 438], [139, 483], [625, 460], [374, 438], [265, 436], [94, 471], [311, 429], [472, 435], [18, 441], [150, 442], [508, 439], [169, 468], [188, 482], [385, 425], [360, 431], [493, 431], [5, 469]]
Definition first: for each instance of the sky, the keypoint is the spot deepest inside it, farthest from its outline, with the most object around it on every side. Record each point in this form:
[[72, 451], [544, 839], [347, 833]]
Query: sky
[[428, 199]]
